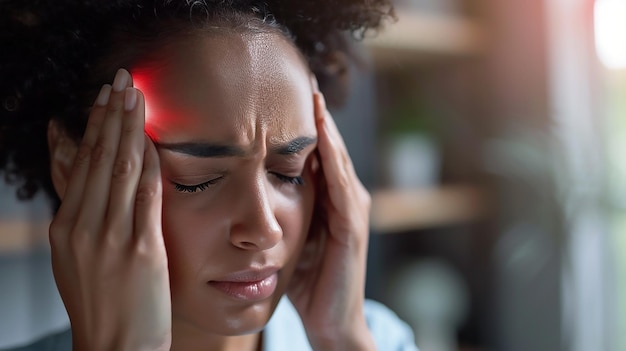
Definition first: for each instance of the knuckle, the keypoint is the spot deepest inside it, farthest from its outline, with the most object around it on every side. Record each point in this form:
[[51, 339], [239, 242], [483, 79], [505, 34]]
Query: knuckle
[[112, 242], [115, 107], [364, 193], [57, 227], [146, 193], [366, 198], [122, 168], [343, 179], [130, 128], [57, 234], [100, 153], [83, 155], [143, 249], [146, 251], [78, 242]]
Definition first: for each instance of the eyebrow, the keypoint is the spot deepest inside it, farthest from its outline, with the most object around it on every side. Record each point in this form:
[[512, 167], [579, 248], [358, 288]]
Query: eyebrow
[[294, 146], [212, 150]]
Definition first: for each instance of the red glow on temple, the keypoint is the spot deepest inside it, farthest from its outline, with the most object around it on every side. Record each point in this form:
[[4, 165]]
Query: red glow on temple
[[140, 81]]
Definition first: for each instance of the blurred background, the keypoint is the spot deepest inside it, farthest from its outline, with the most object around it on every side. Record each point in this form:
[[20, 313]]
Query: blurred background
[[489, 133]]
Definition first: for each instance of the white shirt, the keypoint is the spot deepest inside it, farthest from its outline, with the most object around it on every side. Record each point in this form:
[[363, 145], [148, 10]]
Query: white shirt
[[285, 332]]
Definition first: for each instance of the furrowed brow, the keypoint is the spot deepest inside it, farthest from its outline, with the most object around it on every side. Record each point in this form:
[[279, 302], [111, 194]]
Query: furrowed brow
[[294, 146]]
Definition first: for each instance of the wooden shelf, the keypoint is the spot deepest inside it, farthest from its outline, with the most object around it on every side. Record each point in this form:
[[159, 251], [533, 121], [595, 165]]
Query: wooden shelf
[[417, 36], [392, 211], [403, 210]]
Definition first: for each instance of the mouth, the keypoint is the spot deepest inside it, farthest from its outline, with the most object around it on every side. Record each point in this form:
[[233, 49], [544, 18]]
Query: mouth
[[248, 285]]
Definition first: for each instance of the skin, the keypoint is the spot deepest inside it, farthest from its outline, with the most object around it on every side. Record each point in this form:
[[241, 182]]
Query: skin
[[117, 262]]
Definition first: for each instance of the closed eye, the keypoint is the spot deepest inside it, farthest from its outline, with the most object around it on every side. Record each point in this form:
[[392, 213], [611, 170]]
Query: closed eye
[[197, 187], [289, 180], [182, 188]]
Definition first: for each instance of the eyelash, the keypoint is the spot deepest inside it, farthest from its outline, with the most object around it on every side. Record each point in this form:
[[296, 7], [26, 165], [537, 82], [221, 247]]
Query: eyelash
[[299, 181], [290, 180], [194, 188]]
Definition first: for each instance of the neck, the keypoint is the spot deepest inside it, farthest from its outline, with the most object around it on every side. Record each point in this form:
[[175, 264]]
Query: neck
[[189, 338]]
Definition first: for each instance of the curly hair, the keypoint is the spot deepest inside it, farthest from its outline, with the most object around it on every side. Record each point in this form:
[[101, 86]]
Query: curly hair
[[57, 54]]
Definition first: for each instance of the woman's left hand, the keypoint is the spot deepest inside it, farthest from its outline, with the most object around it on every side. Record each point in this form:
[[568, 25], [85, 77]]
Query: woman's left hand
[[329, 295]]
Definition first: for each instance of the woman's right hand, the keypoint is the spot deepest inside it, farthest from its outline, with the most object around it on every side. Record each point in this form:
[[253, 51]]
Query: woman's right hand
[[108, 254]]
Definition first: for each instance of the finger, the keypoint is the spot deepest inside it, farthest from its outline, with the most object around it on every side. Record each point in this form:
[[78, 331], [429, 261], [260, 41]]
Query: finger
[[128, 165], [148, 200], [97, 187], [330, 145], [335, 135], [80, 168], [314, 84]]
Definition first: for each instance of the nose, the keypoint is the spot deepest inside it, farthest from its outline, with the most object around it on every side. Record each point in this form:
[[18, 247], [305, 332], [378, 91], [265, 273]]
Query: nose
[[256, 226]]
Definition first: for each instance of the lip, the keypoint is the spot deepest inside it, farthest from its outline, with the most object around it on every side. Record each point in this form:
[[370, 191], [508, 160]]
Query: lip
[[248, 285]]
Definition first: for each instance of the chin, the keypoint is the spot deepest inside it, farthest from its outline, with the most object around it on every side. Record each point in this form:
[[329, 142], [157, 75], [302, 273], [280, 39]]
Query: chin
[[225, 318], [251, 320]]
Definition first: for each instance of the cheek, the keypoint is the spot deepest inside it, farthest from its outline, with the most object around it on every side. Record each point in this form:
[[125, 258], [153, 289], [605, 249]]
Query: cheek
[[298, 215], [178, 218], [189, 238], [295, 218], [193, 216]]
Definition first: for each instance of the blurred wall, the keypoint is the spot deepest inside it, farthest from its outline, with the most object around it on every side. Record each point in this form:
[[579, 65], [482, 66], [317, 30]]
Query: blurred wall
[[529, 251], [30, 305]]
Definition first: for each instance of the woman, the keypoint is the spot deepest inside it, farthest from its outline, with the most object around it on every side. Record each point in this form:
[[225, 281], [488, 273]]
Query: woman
[[206, 181]]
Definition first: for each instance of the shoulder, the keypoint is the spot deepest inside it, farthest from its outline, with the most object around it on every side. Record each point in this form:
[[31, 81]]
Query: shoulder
[[286, 332], [389, 331], [61, 341]]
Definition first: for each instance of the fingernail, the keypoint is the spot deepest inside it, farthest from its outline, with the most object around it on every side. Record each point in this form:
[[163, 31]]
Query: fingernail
[[103, 96], [314, 83], [120, 81], [323, 100], [319, 116], [130, 99]]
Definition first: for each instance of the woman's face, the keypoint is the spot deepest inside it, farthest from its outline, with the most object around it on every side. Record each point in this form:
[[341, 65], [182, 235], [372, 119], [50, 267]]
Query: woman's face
[[232, 116]]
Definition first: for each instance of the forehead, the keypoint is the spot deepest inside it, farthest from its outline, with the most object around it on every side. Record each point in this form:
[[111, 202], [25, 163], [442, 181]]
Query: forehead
[[220, 85]]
